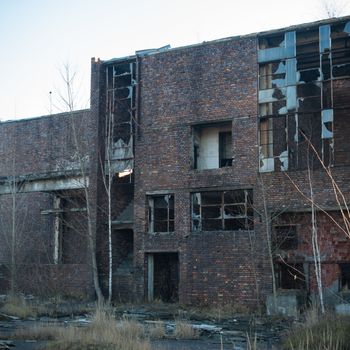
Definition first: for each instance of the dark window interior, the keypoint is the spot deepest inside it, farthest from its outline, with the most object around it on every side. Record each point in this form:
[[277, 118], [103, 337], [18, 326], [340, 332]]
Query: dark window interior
[[290, 276], [161, 213], [345, 277], [285, 237], [222, 210], [225, 149]]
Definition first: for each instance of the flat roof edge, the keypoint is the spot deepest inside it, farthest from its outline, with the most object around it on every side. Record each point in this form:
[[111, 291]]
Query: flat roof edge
[[235, 37], [62, 114]]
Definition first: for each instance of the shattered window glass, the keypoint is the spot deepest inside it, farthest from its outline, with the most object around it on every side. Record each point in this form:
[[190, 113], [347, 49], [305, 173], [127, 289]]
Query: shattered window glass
[[304, 73]]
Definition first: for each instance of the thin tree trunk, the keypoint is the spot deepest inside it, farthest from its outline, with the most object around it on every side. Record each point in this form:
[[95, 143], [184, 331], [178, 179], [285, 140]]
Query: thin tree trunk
[[13, 237], [315, 245], [69, 101], [266, 222]]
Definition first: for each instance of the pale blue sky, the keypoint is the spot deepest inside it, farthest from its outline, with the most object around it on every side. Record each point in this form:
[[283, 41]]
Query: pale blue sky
[[38, 36]]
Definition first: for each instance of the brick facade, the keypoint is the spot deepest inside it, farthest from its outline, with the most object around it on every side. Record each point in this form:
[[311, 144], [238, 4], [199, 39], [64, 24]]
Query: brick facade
[[171, 100]]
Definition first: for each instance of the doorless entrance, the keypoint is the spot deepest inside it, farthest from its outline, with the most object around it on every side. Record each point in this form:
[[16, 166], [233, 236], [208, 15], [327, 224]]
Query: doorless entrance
[[163, 277]]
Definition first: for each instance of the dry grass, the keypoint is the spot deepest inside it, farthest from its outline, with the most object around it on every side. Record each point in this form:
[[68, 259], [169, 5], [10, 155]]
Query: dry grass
[[184, 330], [157, 331], [40, 332], [19, 307], [218, 312], [327, 332], [252, 342], [103, 333]]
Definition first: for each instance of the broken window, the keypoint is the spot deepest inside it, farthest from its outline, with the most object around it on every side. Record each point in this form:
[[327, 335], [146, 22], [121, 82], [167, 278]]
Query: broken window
[[222, 210], [273, 144], [120, 114], [212, 146], [344, 277], [290, 276], [161, 213], [285, 237], [301, 74]]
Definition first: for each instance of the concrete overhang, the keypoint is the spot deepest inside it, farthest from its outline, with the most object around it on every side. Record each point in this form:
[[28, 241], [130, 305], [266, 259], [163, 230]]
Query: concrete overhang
[[43, 183]]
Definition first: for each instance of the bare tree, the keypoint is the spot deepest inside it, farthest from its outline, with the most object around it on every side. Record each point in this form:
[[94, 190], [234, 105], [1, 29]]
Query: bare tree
[[310, 197], [267, 228], [9, 229], [333, 8], [68, 101], [9, 225], [108, 173], [315, 243]]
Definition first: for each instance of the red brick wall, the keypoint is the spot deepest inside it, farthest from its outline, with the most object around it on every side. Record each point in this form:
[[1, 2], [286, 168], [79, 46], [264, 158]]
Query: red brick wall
[[334, 245], [42, 144], [38, 146], [208, 83]]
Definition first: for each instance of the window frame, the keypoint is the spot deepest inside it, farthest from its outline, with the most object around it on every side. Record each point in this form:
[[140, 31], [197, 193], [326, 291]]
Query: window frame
[[225, 223], [169, 198]]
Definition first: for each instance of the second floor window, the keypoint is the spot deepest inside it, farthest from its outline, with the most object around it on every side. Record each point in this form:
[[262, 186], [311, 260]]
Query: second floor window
[[161, 213], [212, 146]]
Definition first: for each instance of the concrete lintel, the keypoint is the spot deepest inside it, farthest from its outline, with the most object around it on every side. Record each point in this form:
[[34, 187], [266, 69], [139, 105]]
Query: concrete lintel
[[46, 185], [308, 209], [159, 192]]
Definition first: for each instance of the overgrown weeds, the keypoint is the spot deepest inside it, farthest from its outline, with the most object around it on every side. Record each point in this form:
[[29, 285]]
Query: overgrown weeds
[[184, 330], [103, 333], [19, 306], [218, 312], [157, 330], [16, 305], [252, 342], [326, 332]]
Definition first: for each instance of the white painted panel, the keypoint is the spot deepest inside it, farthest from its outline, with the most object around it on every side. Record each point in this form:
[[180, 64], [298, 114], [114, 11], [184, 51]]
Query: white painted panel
[[209, 148]]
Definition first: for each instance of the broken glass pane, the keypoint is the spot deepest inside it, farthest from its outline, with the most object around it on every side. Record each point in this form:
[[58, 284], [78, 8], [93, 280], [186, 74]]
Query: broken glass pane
[[211, 212], [211, 198]]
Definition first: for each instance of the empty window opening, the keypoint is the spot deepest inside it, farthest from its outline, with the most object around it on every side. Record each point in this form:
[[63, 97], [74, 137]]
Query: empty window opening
[[120, 114], [290, 276], [285, 237], [225, 149], [122, 251], [223, 210], [161, 213], [344, 277], [163, 277], [212, 146], [69, 210]]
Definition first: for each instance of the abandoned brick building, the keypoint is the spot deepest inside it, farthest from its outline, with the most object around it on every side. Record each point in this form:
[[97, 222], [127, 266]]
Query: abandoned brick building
[[218, 157]]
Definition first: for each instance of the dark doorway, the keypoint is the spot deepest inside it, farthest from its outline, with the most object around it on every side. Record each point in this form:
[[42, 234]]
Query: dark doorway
[[123, 248], [163, 277]]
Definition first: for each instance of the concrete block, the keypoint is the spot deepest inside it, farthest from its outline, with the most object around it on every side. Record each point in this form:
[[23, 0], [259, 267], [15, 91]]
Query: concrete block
[[342, 309], [288, 303]]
